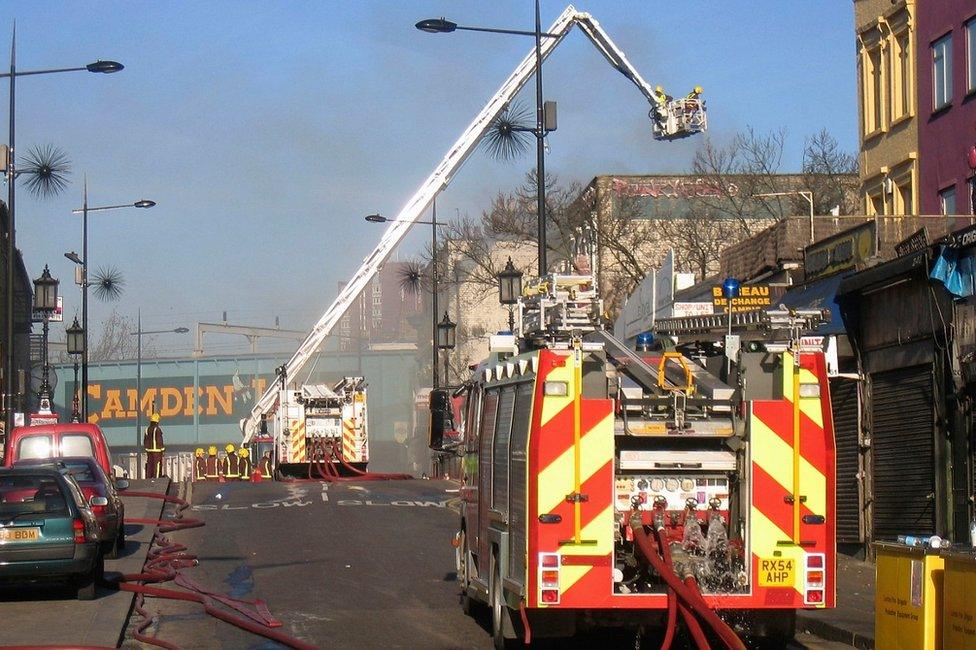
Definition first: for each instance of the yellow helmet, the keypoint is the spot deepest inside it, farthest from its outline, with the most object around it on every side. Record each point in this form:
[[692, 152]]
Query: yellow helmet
[[229, 448], [199, 451], [243, 452], [213, 450], [154, 417]]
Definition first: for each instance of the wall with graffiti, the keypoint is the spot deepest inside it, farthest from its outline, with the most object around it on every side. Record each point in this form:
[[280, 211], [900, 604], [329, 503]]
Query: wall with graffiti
[[201, 400]]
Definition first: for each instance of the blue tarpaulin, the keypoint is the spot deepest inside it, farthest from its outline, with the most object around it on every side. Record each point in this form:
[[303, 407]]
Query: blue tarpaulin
[[954, 271], [819, 294]]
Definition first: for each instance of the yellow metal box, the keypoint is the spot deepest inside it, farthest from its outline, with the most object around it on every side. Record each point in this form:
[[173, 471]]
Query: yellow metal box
[[959, 600], [908, 597]]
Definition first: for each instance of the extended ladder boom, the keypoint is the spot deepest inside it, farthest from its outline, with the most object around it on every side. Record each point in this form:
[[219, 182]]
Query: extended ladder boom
[[665, 126]]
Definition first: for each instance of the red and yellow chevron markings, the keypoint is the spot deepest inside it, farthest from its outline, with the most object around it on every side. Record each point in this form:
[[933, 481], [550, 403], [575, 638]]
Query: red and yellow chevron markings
[[571, 456], [349, 441], [792, 473], [296, 428]]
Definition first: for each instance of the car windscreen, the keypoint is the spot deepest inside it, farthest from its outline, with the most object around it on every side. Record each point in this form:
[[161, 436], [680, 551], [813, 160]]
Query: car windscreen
[[76, 444], [31, 494], [81, 471], [37, 446]]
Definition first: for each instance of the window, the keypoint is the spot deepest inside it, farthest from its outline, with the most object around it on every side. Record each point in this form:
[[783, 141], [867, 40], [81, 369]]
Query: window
[[34, 447], [873, 114], [971, 56], [76, 445], [902, 76], [947, 200], [942, 72], [875, 204], [905, 197]]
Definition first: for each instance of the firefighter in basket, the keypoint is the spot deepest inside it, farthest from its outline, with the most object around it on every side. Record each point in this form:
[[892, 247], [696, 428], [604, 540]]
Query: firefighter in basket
[[199, 465], [243, 464]]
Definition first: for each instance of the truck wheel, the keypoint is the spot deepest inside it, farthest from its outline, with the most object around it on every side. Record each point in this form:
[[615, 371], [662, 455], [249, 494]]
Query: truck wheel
[[501, 626], [463, 574]]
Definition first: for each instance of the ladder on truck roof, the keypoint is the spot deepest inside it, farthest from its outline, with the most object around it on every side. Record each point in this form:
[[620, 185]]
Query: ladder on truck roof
[[671, 119]]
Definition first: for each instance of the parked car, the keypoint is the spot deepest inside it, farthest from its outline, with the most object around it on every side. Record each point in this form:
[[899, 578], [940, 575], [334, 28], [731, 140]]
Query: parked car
[[59, 441], [100, 492], [47, 530]]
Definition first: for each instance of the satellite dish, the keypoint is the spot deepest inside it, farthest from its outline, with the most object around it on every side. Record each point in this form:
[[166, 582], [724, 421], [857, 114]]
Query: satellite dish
[[37, 375]]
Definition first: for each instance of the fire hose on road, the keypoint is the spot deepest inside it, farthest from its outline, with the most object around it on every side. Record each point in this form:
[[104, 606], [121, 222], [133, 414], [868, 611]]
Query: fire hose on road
[[684, 593], [165, 563], [328, 454]]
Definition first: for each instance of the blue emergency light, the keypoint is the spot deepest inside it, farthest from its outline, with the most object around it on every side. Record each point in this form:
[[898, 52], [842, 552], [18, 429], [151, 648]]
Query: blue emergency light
[[730, 288], [644, 341]]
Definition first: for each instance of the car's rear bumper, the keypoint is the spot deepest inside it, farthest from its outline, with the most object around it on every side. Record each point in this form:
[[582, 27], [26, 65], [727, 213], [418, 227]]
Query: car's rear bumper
[[29, 564]]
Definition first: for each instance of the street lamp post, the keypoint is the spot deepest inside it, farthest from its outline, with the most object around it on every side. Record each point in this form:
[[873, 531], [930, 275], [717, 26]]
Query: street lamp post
[[75, 339], [139, 333], [443, 26], [807, 194], [509, 290], [45, 302], [730, 291], [84, 210], [433, 223], [103, 67], [446, 340]]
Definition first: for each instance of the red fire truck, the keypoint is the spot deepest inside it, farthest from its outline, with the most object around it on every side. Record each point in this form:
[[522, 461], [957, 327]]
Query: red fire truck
[[604, 486]]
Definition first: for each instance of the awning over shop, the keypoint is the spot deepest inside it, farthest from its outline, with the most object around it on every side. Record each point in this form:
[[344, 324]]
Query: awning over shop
[[819, 294]]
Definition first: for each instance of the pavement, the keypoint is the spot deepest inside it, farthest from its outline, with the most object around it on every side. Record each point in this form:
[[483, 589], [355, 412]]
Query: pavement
[[852, 620], [45, 615]]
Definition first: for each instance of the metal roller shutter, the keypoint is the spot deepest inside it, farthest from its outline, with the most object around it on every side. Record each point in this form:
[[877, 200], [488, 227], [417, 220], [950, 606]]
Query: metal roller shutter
[[843, 401], [902, 435], [517, 512], [503, 432]]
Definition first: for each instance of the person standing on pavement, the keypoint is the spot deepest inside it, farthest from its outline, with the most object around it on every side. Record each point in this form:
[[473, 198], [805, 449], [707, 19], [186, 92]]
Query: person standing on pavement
[[244, 464], [152, 442], [231, 474], [199, 465], [265, 465], [212, 472]]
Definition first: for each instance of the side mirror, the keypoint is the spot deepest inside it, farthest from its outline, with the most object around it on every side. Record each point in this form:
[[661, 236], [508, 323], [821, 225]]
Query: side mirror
[[98, 501], [122, 484], [441, 419]]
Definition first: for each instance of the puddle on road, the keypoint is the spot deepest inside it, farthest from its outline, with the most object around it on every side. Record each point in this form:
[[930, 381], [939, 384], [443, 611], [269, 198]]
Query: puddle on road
[[240, 581]]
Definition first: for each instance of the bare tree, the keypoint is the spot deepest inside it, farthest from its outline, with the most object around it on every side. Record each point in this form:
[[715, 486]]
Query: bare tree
[[830, 173], [116, 341]]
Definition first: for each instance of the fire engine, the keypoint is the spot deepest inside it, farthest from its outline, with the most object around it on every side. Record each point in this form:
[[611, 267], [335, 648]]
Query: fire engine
[[321, 423], [610, 486]]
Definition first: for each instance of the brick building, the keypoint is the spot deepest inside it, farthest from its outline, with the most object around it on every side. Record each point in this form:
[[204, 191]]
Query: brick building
[[383, 312]]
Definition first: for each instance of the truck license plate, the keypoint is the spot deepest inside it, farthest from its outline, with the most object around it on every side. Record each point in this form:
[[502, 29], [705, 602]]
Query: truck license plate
[[19, 534], [777, 572]]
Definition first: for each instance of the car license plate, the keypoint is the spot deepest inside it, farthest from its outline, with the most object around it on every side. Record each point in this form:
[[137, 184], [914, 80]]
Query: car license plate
[[777, 572]]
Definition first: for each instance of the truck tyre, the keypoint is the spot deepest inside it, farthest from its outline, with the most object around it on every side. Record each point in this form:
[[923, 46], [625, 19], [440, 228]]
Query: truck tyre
[[464, 573], [501, 626]]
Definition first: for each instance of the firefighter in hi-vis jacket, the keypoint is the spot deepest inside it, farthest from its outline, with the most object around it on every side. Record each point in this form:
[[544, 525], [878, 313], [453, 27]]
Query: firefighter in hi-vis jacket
[[153, 444], [212, 471], [230, 464], [244, 464], [199, 465]]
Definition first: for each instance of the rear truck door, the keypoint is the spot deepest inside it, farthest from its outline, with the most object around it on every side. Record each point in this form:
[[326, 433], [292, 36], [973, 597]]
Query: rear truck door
[[792, 512]]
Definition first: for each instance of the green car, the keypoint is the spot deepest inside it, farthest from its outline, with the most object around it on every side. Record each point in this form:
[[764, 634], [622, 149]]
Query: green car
[[47, 530]]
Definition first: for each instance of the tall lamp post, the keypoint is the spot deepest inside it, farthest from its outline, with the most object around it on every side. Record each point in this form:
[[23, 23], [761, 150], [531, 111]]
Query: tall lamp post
[[807, 194], [443, 26], [509, 290], [139, 333], [45, 302], [730, 291], [103, 67], [83, 262], [446, 340], [76, 346], [433, 223]]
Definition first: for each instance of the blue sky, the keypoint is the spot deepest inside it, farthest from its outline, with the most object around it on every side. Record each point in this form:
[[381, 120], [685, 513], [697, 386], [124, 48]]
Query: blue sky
[[266, 130]]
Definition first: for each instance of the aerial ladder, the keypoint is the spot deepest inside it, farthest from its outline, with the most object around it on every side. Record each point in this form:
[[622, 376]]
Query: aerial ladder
[[671, 119]]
